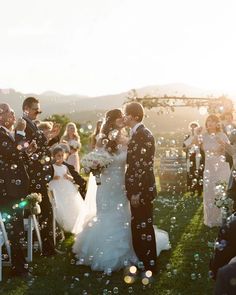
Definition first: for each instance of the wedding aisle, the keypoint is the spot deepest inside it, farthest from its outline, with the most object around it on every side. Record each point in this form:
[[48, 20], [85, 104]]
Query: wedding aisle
[[183, 269]]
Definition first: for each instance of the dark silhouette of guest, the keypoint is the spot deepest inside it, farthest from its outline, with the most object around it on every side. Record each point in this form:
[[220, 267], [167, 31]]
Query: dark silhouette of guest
[[231, 150], [195, 162], [94, 136], [225, 247], [14, 184], [226, 280], [40, 171]]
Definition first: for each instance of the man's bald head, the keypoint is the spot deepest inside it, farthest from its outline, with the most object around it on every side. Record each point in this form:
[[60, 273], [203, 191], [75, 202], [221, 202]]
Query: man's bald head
[[7, 115]]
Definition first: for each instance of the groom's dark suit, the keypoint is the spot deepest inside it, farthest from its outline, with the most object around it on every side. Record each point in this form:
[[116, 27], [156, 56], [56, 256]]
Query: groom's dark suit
[[140, 180], [14, 185], [40, 172]]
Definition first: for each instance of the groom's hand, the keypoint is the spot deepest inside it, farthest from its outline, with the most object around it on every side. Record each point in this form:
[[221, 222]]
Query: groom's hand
[[135, 201]]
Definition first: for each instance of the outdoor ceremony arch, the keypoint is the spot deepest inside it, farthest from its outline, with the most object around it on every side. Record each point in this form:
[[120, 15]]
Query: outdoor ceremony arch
[[214, 105]]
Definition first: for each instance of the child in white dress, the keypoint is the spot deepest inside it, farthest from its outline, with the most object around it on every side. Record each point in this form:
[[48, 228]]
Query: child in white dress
[[67, 200]]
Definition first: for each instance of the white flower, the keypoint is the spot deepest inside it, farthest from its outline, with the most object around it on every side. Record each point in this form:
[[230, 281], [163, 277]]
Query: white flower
[[96, 160], [34, 198]]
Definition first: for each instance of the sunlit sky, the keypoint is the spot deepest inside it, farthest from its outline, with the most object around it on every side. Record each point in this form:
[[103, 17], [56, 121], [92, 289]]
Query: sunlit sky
[[97, 47]]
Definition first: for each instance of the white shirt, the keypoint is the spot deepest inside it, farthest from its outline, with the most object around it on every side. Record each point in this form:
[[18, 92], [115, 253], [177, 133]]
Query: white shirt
[[134, 129], [11, 133], [8, 131]]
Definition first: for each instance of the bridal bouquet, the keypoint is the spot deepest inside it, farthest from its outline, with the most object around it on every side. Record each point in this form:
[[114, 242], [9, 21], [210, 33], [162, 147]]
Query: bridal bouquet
[[222, 201], [32, 203], [95, 162]]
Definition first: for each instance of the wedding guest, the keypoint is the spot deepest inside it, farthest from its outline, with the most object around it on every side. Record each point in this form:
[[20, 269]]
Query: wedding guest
[[227, 126], [72, 138], [50, 131], [54, 137], [216, 169], [231, 149], [68, 201], [14, 185], [94, 136], [227, 123], [71, 133], [225, 281], [40, 171], [73, 158], [92, 186], [46, 128], [195, 161], [225, 247]]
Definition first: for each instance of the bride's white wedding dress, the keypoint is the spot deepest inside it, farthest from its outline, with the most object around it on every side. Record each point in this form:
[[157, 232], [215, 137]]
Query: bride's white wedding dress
[[105, 242]]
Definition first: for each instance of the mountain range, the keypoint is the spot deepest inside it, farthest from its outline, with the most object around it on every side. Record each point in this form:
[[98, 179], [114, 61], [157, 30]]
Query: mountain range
[[85, 108]]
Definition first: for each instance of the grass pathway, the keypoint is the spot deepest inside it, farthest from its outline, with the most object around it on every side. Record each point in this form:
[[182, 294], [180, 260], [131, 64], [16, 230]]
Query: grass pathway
[[183, 269]]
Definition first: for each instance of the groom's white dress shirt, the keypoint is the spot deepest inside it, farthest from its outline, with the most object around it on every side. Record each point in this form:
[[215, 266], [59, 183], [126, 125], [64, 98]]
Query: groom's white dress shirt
[[134, 129]]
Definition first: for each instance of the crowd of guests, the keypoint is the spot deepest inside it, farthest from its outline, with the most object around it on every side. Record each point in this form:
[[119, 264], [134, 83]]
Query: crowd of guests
[[210, 153], [30, 152], [211, 157], [33, 157]]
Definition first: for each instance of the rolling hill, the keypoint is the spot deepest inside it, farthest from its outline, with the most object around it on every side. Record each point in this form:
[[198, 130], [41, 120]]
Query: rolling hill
[[84, 108]]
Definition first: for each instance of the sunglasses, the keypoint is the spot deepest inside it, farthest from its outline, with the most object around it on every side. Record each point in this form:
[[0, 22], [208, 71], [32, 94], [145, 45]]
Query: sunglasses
[[37, 111]]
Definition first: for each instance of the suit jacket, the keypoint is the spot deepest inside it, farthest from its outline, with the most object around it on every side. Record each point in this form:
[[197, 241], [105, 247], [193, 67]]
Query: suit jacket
[[33, 133], [54, 140], [225, 281], [139, 176], [39, 165], [14, 179], [226, 246], [231, 189], [79, 180]]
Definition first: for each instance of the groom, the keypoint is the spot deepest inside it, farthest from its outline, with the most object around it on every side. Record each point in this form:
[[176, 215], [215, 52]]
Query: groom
[[140, 186]]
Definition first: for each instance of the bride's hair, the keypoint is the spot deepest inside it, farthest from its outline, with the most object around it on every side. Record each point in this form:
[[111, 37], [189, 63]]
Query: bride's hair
[[109, 131]]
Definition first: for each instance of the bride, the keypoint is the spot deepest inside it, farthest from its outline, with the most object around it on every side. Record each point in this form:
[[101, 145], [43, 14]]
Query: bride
[[105, 243]]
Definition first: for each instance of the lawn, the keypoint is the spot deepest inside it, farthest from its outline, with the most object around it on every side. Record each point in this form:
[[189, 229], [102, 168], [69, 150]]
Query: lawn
[[183, 269]]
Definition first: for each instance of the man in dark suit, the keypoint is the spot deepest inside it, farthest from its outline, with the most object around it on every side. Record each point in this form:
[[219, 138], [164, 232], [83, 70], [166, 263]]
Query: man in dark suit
[[140, 186], [195, 162], [226, 280], [40, 171], [225, 248], [14, 186]]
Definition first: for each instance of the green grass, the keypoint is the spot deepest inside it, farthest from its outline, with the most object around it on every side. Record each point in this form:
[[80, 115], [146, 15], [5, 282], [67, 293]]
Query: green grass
[[183, 269]]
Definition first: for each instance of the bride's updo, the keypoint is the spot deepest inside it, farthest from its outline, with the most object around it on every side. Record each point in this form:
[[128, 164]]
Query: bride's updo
[[110, 131]]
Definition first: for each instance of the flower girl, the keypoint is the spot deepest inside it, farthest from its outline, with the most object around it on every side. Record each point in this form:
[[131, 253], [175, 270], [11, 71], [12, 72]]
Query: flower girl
[[68, 203]]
